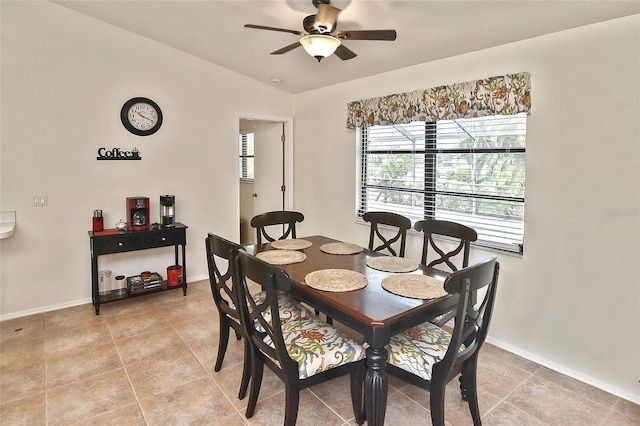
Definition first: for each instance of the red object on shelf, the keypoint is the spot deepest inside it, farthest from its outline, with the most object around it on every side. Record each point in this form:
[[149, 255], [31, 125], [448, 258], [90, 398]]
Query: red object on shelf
[[174, 275]]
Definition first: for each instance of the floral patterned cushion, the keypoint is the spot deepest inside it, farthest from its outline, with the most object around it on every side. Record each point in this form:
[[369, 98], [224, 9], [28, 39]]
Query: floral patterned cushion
[[417, 349], [318, 346], [290, 309]]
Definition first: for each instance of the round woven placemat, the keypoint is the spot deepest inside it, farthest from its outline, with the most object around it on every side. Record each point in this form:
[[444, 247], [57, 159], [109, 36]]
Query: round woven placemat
[[392, 264], [336, 280], [281, 257], [341, 248], [293, 244], [414, 286]]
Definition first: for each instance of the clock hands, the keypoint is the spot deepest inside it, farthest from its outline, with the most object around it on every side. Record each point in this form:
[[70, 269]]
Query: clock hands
[[143, 116]]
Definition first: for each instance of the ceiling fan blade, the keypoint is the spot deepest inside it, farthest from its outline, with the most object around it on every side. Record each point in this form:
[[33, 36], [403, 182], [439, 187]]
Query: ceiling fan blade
[[286, 48], [387, 35], [344, 53], [284, 30], [326, 18]]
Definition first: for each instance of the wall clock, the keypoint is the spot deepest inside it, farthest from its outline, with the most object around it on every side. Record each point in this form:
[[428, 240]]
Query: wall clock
[[141, 116]]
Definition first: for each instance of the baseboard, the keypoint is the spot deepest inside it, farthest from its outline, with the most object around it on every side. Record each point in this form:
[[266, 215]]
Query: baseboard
[[71, 304], [563, 369]]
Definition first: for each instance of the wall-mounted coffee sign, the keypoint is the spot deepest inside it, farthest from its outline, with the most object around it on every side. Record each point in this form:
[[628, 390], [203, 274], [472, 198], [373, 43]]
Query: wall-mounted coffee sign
[[118, 154]]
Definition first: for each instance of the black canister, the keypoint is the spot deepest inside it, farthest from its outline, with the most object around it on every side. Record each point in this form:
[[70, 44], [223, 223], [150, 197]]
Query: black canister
[[167, 211]]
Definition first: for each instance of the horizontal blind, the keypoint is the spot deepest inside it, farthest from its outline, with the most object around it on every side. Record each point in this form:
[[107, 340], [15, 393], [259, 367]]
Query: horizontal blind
[[470, 171], [246, 150]]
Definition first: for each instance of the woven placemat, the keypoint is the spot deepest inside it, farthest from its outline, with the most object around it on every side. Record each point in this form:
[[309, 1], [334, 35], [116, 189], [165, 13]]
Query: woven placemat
[[281, 257], [293, 244], [414, 286], [392, 264], [336, 280], [341, 248]]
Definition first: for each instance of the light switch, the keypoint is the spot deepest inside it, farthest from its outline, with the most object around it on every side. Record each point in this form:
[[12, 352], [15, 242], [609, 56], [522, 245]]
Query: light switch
[[39, 200]]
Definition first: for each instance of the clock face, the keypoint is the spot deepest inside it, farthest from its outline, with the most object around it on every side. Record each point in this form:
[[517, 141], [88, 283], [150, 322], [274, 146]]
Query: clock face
[[141, 116]]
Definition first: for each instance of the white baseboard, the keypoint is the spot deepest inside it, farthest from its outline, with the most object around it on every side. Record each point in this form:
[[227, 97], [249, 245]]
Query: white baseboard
[[563, 369], [71, 304]]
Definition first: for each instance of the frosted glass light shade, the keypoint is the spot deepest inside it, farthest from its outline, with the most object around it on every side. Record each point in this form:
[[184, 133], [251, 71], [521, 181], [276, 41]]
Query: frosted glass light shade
[[320, 46]]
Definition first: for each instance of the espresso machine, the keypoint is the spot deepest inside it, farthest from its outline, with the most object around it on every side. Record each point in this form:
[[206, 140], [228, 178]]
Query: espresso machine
[[167, 211], [138, 213]]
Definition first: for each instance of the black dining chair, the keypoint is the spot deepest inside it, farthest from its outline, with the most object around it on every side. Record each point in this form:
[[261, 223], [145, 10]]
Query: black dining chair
[[392, 220], [286, 218], [429, 357], [460, 235], [221, 283], [455, 248], [300, 352]]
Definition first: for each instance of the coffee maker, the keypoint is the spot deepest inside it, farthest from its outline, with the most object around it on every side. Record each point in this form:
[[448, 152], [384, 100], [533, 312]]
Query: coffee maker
[[138, 213], [167, 211]]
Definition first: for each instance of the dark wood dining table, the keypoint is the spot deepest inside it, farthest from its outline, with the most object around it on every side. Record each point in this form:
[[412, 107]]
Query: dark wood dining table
[[371, 311]]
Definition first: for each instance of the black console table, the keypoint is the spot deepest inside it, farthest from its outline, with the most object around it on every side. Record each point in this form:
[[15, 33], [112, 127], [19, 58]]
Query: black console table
[[111, 241]]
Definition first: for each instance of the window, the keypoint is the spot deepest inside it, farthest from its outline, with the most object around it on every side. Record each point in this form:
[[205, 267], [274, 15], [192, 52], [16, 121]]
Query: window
[[470, 171], [246, 156]]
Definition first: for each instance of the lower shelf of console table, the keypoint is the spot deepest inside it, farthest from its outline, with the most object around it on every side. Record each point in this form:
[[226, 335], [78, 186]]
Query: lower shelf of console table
[[111, 242]]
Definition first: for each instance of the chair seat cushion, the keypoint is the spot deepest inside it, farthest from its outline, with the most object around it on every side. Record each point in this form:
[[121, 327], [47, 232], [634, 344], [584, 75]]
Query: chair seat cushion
[[289, 308], [318, 346], [417, 349]]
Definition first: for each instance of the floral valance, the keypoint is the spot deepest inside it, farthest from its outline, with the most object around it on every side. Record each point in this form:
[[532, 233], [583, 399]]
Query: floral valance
[[506, 95]]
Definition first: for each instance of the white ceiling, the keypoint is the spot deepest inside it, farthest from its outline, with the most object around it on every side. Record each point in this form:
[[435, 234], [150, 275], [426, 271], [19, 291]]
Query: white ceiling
[[427, 30]]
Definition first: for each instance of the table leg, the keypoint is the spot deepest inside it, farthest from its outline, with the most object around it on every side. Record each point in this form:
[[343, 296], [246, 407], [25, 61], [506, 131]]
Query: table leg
[[375, 386]]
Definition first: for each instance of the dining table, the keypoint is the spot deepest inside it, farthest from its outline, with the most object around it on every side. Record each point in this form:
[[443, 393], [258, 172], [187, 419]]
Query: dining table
[[372, 311]]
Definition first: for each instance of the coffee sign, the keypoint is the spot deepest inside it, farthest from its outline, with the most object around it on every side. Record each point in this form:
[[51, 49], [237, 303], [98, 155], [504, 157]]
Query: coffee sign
[[118, 154]]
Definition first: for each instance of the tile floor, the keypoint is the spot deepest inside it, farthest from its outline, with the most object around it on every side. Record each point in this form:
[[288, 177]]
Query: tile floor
[[149, 361]]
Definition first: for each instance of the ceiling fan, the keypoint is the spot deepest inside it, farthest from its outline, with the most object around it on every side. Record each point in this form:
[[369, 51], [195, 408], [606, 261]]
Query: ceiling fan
[[320, 38]]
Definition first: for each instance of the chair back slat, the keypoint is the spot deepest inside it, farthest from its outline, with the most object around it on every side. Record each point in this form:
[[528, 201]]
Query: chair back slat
[[221, 280], [461, 234], [287, 219], [401, 223], [265, 335], [471, 320]]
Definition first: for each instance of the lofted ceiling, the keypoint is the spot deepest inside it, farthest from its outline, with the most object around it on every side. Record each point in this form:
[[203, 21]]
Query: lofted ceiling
[[427, 30]]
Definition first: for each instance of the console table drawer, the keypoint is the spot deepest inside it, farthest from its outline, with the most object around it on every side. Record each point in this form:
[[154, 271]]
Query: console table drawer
[[118, 243], [170, 237]]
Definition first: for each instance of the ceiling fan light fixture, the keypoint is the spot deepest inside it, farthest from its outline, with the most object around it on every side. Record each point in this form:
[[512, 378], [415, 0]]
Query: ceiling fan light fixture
[[320, 46]]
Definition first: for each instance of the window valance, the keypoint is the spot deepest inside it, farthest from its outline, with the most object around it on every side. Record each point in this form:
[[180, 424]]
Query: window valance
[[507, 94]]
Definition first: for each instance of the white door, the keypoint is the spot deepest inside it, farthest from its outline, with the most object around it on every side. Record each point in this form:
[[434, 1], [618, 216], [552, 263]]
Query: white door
[[265, 193], [268, 167]]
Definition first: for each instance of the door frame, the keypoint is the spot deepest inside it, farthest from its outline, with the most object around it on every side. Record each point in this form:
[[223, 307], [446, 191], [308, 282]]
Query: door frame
[[288, 154]]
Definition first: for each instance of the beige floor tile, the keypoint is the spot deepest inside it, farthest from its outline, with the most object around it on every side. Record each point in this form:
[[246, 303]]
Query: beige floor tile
[[21, 352], [141, 322], [64, 368], [29, 411], [21, 382], [497, 377], [402, 411], [72, 318], [83, 400], [628, 408], [162, 372], [506, 414], [555, 405], [147, 345], [19, 329], [63, 340], [129, 415], [336, 393], [311, 411], [594, 394], [199, 402]]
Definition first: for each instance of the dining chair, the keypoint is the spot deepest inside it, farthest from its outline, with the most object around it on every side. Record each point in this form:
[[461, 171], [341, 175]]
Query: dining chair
[[393, 220], [459, 237], [222, 289], [459, 234], [279, 217], [429, 357], [300, 352]]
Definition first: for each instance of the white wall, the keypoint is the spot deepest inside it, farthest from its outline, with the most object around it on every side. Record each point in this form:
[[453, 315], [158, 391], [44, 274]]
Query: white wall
[[572, 301], [65, 77]]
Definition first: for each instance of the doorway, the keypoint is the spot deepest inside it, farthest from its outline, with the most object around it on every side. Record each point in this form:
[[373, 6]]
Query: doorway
[[272, 185]]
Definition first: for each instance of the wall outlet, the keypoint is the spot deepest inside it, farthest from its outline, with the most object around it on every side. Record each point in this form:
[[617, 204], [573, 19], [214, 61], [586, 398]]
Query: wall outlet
[[39, 200]]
